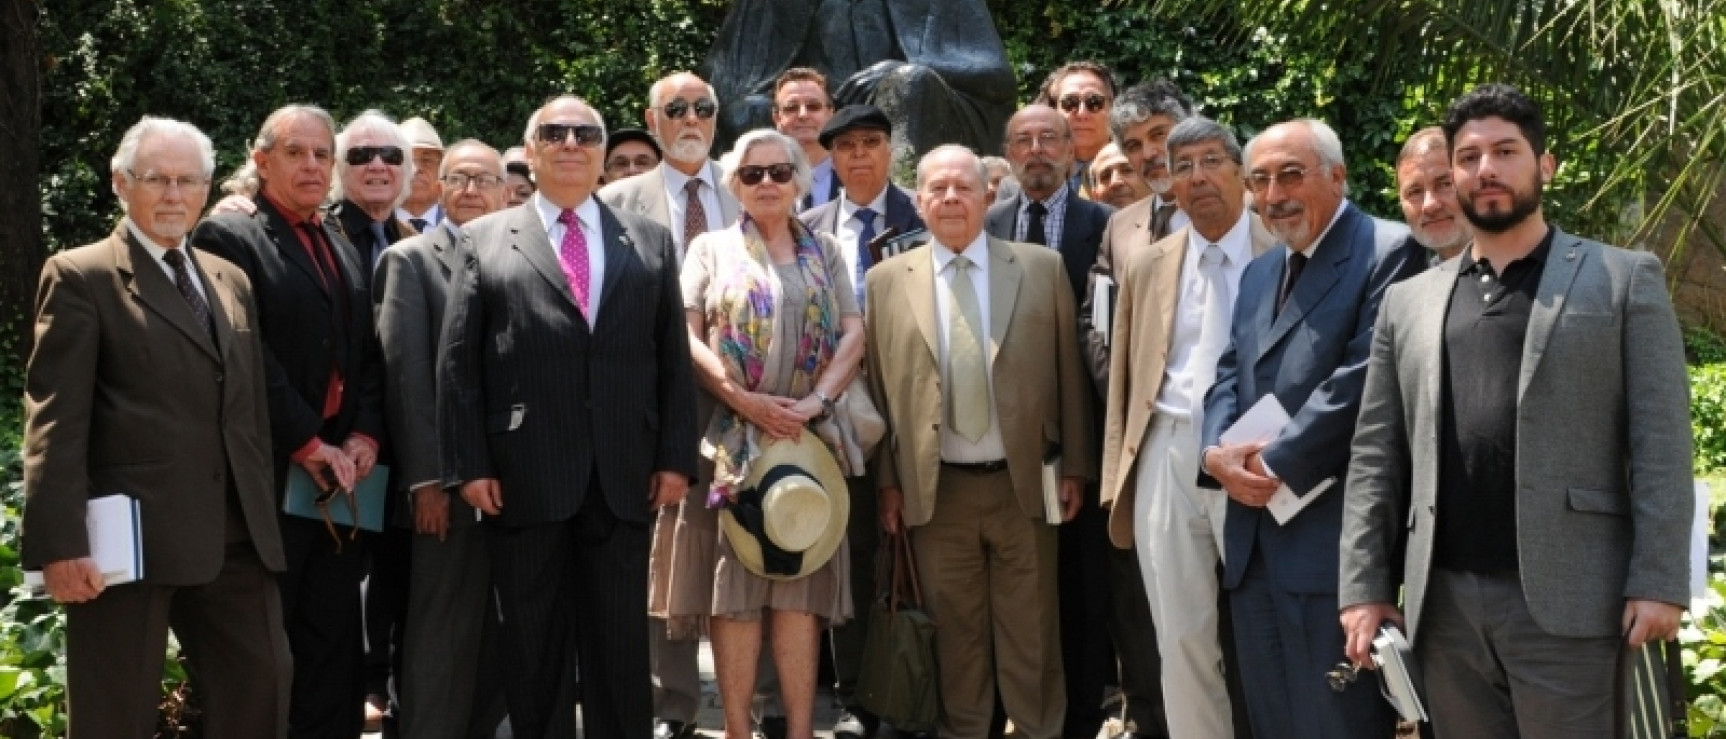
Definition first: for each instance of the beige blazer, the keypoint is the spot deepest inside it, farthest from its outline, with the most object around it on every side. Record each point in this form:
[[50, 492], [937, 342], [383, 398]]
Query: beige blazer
[[1149, 282], [1040, 385], [644, 195]]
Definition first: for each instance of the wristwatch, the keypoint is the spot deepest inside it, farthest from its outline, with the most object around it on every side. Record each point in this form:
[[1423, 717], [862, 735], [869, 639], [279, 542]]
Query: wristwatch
[[826, 404]]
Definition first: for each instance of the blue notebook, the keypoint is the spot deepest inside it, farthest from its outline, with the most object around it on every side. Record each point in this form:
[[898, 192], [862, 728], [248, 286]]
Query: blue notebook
[[369, 495]]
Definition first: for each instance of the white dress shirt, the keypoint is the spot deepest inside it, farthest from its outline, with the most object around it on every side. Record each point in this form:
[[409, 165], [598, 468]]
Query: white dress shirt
[[157, 252], [677, 201], [587, 215], [850, 229], [433, 215], [1179, 396], [954, 446]]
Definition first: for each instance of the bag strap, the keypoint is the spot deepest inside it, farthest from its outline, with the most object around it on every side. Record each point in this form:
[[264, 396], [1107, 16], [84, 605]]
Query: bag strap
[[910, 560], [1677, 690]]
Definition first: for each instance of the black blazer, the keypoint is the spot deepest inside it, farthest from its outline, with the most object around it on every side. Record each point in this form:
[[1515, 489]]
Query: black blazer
[[355, 226], [531, 396], [1081, 232], [305, 329]]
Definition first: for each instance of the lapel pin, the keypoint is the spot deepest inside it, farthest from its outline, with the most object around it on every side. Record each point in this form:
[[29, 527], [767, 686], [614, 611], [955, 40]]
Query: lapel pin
[[1570, 256]]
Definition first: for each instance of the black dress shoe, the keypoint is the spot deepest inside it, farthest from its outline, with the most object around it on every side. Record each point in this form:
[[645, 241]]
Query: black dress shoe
[[855, 723], [673, 730], [772, 727]]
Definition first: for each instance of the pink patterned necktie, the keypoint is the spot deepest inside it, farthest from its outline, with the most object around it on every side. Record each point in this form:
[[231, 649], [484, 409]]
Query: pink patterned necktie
[[572, 256]]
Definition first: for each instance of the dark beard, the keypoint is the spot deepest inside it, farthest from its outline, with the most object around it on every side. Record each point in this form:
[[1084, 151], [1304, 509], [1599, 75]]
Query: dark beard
[[1522, 205]]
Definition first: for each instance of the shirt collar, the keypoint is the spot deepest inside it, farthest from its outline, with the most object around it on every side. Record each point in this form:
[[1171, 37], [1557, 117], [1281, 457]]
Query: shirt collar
[[587, 210], [1237, 244], [430, 216], [288, 215], [1054, 201], [848, 208], [1334, 217], [977, 252], [156, 251], [676, 180], [1472, 265]]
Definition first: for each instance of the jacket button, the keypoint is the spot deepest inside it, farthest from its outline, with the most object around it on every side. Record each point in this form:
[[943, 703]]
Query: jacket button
[[1132, 450], [220, 377]]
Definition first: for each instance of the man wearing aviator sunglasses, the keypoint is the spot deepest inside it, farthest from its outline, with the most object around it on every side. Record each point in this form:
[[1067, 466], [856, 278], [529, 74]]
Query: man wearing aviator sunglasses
[[1084, 92], [683, 192]]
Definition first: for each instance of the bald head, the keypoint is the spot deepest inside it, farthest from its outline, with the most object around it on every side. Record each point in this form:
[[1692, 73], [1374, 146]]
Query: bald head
[[1040, 150]]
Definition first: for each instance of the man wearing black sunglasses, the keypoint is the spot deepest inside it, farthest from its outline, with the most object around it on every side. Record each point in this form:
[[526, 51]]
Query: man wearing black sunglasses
[[683, 192], [567, 417], [1084, 92]]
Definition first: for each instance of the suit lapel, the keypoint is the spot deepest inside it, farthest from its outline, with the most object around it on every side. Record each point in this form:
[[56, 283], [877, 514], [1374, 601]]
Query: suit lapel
[[1563, 261], [1167, 257], [287, 241], [920, 293], [1428, 334], [152, 287], [899, 209], [528, 237], [222, 307], [620, 253], [727, 203], [652, 194], [443, 245], [1320, 275], [1004, 275]]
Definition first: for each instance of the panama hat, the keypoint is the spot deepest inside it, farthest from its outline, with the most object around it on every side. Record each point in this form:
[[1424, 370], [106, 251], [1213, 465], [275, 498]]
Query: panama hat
[[791, 510]]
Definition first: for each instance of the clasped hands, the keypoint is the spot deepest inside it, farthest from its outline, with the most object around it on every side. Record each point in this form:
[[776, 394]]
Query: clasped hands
[[1242, 473], [779, 417]]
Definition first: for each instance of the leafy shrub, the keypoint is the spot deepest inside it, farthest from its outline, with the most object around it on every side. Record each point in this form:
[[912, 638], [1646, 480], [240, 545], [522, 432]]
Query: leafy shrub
[[1708, 416]]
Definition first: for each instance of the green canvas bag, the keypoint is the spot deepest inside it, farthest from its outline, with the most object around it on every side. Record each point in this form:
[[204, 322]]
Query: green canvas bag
[[898, 680]]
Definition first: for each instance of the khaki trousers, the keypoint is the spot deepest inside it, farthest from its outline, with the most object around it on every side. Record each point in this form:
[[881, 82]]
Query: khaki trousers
[[988, 576]]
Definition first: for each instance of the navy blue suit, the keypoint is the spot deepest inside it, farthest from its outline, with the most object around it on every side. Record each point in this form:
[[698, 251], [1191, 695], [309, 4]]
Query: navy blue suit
[[1282, 578]]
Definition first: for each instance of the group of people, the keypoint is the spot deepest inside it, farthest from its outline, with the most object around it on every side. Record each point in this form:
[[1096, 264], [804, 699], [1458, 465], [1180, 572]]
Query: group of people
[[628, 397]]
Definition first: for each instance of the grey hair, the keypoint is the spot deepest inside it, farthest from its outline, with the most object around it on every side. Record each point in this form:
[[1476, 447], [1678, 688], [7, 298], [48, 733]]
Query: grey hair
[[994, 164], [1138, 103], [244, 181], [267, 133], [1199, 129], [533, 120], [455, 148], [127, 155], [1325, 145], [801, 179], [654, 92], [922, 164], [373, 121]]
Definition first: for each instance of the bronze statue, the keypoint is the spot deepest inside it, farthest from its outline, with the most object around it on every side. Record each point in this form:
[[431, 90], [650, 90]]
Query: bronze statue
[[936, 67]]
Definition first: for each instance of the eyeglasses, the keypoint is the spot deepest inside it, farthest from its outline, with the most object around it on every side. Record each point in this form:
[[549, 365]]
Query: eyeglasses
[[160, 183], [1183, 168], [1093, 102], [813, 106], [325, 499], [586, 134], [704, 108], [848, 144], [640, 161], [1288, 177], [359, 156], [459, 181], [751, 174], [1046, 139]]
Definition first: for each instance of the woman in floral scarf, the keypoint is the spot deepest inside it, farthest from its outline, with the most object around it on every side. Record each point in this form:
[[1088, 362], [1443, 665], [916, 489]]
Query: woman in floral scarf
[[776, 335]]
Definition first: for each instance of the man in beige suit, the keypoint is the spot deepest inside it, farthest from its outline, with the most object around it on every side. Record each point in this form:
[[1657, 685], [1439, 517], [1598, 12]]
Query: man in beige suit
[[974, 360], [147, 380], [1175, 305]]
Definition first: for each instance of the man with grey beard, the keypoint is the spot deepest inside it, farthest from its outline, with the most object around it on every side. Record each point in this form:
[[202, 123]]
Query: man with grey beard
[[1428, 199], [682, 194]]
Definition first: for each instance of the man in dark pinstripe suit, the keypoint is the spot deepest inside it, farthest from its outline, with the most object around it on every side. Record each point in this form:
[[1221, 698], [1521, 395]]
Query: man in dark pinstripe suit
[[568, 415]]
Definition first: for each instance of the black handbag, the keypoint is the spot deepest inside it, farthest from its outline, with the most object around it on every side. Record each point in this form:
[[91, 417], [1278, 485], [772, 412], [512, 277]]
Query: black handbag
[[898, 680], [1652, 696]]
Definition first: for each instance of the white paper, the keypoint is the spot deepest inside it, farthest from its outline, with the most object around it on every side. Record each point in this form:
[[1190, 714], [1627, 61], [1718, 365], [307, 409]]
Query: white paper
[[115, 542], [1260, 424], [1699, 546], [1103, 306], [1053, 512]]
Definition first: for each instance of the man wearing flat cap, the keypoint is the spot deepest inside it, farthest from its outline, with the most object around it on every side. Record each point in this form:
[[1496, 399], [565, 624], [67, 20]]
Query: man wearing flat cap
[[629, 152], [869, 205], [422, 209]]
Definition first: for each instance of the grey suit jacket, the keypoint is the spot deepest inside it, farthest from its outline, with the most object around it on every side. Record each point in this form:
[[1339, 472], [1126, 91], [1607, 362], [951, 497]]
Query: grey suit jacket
[[644, 195], [409, 291], [1604, 490], [533, 396]]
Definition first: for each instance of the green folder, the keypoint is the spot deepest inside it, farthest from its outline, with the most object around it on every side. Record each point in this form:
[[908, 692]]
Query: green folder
[[369, 496]]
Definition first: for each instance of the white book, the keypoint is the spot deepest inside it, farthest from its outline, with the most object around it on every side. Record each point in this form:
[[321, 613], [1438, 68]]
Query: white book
[[1103, 306], [1261, 424], [116, 542], [1053, 512]]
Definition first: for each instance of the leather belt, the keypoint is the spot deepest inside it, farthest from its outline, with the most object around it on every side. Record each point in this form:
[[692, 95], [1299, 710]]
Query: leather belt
[[977, 468]]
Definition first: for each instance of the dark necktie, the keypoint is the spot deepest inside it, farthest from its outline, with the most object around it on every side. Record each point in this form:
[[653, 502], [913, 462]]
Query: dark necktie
[[1297, 262], [1160, 219], [183, 280], [419, 224], [380, 242], [1034, 232], [694, 216], [865, 259]]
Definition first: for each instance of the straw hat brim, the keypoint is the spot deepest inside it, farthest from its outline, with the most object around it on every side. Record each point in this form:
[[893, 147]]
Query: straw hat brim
[[809, 454]]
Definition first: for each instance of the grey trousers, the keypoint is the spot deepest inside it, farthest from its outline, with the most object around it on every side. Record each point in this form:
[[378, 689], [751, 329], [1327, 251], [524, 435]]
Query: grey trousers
[[1491, 672], [451, 682]]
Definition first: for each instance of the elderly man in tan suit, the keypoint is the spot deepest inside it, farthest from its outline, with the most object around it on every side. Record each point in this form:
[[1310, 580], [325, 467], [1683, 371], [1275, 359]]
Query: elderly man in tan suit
[[974, 360], [1172, 319]]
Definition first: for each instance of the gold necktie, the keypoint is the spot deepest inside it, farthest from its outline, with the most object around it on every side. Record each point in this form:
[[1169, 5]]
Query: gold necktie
[[967, 377]]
